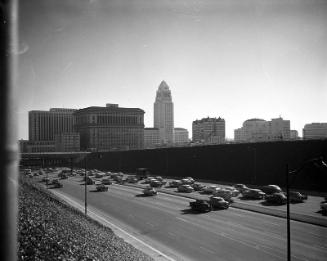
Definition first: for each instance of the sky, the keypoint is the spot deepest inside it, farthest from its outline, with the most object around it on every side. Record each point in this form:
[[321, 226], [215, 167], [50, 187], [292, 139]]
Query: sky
[[236, 60]]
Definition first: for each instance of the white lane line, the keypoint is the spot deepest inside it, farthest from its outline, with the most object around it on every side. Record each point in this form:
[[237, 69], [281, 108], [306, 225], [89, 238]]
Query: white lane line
[[79, 206], [207, 250], [184, 220], [172, 234]]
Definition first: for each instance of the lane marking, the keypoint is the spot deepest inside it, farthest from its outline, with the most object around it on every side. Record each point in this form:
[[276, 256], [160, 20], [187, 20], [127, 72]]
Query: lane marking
[[79, 206], [207, 250]]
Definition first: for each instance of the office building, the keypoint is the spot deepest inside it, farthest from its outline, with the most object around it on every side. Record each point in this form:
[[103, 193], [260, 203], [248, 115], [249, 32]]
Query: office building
[[209, 131], [110, 128], [315, 131], [44, 125], [66, 142], [164, 114], [258, 130], [181, 136], [151, 138]]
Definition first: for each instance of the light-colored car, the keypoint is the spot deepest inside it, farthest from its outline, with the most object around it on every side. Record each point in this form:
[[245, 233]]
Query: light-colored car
[[271, 189], [297, 197], [185, 188], [240, 187], [149, 191], [106, 181], [218, 202], [253, 194], [210, 189], [224, 193]]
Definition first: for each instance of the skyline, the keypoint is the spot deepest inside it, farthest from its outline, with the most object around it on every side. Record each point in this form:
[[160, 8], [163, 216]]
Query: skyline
[[240, 60]]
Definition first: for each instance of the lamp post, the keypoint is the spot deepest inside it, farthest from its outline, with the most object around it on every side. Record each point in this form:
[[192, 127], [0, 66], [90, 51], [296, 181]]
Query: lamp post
[[85, 185], [316, 162]]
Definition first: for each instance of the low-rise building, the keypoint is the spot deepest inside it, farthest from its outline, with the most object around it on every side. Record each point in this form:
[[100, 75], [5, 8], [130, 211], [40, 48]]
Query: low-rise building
[[181, 136], [208, 131], [315, 131]]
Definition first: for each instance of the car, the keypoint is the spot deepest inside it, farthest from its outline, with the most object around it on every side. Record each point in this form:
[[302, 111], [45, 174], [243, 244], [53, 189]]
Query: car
[[210, 189], [56, 183], [148, 180], [240, 187], [187, 181], [149, 191], [198, 186], [297, 197], [174, 183], [235, 192], [185, 188], [224, 193], [200, 205], [218, 202], [132, 179], [270, 189], [142, 173], [106, 181], [253, 194], [278, 198], [89, 181], [62, 175], [323, 207], [156, 183], [101, 187]]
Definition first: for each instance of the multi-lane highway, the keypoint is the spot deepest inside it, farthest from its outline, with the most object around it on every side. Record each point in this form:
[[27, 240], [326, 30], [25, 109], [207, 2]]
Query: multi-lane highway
[[165, 222]]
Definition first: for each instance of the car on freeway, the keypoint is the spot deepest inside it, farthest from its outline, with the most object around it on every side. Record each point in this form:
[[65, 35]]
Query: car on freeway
[[148, 180], [211, 189], [270, 189], [187, 181], [149, 191], [297, 197], [224, 193], [185, 188], [253, 194], [62, 175], [156, 183], [200, 205], [277, 198], [56, 183], [106, 181], [218, 202], [89, 181], [235, 192], [240, 187], [174, 183], [45, 179], [101, 187], [198, 186], [132, 179], [323, 207]]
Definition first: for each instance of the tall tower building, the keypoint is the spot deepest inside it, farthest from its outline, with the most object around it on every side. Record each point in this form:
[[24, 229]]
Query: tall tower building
[[164, 114]]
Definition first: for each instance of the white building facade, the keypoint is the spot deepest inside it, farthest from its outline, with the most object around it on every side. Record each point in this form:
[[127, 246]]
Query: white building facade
[[181, 136], [315, 131], [164, 114], [209, 131], [257, 130]]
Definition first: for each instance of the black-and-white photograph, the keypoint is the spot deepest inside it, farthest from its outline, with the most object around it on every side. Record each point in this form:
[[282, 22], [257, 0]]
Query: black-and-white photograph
[[164, 130]]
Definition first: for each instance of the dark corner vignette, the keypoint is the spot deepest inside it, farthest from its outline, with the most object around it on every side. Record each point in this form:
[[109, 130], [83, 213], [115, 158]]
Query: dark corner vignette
[[8, 129]]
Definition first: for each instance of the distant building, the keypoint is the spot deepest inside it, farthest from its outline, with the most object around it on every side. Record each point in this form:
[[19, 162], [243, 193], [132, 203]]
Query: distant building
[[180, 136], [110, 128], [151, 138], [294, 135], [40, 146], [256, 130], [208, 131], [66, 142], [23, 145], [164, 114], [44, 125], [315, 131]]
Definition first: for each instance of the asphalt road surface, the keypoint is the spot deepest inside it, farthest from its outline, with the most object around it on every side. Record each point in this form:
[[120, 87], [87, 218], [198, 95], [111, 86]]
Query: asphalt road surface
[[165, 222]]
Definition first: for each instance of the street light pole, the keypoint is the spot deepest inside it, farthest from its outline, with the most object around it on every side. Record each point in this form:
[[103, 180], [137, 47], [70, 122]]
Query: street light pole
[[288, 215], [85, 186]]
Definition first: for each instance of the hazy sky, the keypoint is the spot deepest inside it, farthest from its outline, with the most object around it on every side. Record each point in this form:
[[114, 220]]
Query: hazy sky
[[235, 59]]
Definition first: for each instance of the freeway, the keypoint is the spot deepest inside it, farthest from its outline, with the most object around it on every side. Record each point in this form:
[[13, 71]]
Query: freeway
[[165, 222]]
